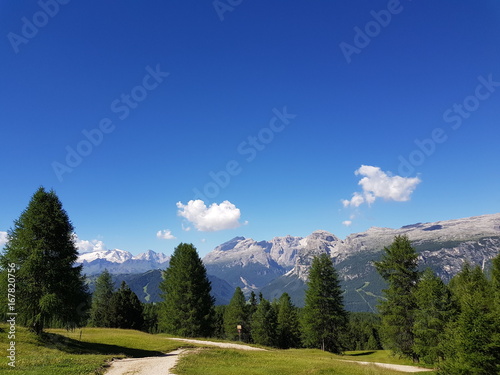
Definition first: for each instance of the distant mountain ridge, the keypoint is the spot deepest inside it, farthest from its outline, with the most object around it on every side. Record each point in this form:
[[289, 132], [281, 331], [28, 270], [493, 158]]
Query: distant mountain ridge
[[121, 262], [282, 264]]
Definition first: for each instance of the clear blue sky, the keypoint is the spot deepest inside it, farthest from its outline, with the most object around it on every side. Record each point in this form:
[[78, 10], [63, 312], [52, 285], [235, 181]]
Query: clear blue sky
[[364, 79]]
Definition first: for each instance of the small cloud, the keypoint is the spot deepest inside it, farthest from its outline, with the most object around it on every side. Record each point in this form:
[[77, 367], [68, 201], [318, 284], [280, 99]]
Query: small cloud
[[3, 238], [165, 234], [203, 240], [85, 246], [185, 229], [379, 184], [347, 223], [210, 219]]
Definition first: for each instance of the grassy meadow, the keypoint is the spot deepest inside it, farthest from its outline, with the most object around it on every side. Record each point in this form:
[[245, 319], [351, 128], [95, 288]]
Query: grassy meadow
[[87, 351], [275, 362]]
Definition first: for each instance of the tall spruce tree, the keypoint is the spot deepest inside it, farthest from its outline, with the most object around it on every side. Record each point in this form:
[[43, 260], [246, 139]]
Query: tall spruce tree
[[126, 310], [236, 314], [495, 283], [288, 330], [434, 310], [399, 267], [188, 307], [100, 313], [264, 324], [470, 345], [50, 289], [324, 318]]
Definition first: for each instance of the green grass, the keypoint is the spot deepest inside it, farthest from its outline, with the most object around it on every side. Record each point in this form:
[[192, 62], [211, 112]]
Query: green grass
[[382, 356], [59, 352], [273, 362]]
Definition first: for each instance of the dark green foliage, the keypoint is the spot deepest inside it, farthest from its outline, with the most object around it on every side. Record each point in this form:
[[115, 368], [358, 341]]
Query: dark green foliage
[[188, 307], [49, 288], [362, 332], [434, 311], [150, 313], [100, 313], [324, 319], [125, 309], [264, 324], [237, 314], [471, 342], [288, 330], [495, 282], [218, 325], [399, 267]]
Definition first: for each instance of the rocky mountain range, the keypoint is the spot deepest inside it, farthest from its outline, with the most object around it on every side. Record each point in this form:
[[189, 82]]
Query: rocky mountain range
[[282, 264], [121, 262]]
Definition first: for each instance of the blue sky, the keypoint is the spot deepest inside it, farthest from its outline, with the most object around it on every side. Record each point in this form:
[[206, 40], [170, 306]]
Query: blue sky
[[287, 116]]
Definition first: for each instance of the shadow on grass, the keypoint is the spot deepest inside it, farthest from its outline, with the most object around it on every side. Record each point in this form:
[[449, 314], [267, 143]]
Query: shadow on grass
[[68, 345], [359, 354]]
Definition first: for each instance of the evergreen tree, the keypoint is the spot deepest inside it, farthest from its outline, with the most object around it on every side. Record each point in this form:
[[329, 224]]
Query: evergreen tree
[[434, 310], [495, 283], [288, 331], [100, 314], [264, 324], [49, 288], [188, 307], [218, 328], [469, 345], [150, 317], [399, 267], [324, 318], [126, 309], [236, 314], [362, 332]]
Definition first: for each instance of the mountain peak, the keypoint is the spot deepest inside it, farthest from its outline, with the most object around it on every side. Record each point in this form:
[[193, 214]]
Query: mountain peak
[[229, 245]]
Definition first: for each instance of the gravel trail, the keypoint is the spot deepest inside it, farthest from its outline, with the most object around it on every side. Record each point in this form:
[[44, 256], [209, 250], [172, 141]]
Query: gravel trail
[[162, 365]]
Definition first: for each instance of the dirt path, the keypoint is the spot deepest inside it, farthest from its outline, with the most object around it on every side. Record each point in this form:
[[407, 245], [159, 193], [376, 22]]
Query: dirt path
[[219, 344], [402, 368], [145, 366], [162, 365]]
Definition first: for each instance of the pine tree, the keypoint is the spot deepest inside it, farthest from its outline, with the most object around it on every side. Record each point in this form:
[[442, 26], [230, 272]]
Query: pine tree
[[264, 324], [434, 310], [125, 309], [150, 315], [236, 314], [100, 314], [288, 330], [324, 318], [49, 288], [188, 307], [219, 331], [469, 345], [399, 267], [495, 283]]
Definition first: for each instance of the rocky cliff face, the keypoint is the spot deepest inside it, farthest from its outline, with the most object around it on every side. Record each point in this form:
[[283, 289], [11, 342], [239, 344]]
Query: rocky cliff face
[[282, 264], [250, 264]]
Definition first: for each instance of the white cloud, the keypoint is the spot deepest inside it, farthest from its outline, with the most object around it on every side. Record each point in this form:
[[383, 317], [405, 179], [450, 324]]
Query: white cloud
[[85, 246], [185, 229], [3, 238], [210, 219], [165, 234], [347, 223], [379, 184]]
